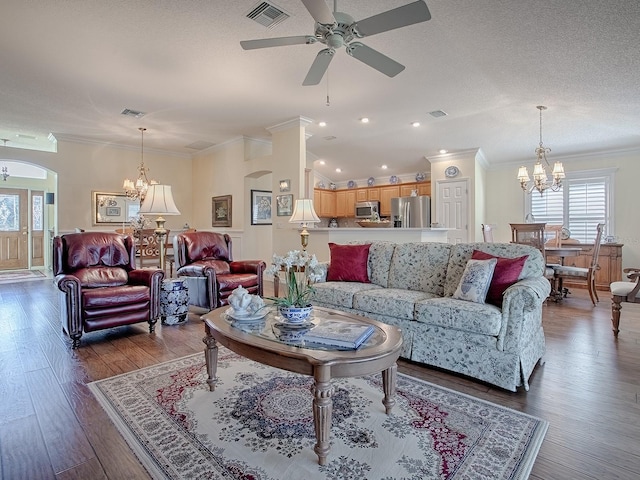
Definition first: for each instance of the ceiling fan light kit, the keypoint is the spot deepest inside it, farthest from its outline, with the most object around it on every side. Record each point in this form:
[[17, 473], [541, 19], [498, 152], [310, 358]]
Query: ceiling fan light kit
[[338, 29]]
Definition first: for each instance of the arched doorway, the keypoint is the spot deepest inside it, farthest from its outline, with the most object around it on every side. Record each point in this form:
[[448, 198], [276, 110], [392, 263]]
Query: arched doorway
[[27, 215]]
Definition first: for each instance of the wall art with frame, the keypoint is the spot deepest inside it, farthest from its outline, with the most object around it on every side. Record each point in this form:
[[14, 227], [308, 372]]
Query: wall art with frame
[[221, 211], [260, 207], [284, 205]]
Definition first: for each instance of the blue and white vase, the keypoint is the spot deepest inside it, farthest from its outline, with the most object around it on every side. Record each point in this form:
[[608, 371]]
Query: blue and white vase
[[296, 314]]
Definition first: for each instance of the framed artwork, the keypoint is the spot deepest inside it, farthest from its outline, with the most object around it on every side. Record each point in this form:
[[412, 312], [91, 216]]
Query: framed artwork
[[260, 207], [285, 185], [110, 208], [284, 205], [221, 211]]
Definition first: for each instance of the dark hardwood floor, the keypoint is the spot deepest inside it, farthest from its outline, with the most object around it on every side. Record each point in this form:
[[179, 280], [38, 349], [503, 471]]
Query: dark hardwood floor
[[51, 426]]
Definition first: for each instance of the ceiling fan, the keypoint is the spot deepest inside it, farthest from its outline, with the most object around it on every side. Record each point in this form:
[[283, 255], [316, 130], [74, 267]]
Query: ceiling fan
[[338, 29]]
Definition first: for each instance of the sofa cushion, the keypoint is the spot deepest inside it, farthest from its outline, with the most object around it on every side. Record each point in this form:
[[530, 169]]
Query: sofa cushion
[[475, 280], [505, 274], [380, 254], [481, 318], [389, 301], [348, 263], [95, 248], [339, 294], [419, 266], [461, 253]]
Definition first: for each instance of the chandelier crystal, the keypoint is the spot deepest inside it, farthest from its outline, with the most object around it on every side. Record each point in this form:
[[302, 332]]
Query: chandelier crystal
[[137, 189], [540, 179]]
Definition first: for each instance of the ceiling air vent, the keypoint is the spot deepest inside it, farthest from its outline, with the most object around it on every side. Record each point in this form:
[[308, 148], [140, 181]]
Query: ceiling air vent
[[132, 113], [438, 113], [267, 14]]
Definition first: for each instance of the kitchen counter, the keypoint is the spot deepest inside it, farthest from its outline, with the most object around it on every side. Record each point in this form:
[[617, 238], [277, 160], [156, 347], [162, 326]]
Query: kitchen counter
[[319, 238]]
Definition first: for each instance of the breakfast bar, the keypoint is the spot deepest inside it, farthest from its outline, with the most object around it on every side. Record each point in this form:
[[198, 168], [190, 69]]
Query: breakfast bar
[[319, 238]]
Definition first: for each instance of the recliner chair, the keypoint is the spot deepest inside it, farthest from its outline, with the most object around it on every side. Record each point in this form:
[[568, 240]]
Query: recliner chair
[[99, 285], [205, 259]]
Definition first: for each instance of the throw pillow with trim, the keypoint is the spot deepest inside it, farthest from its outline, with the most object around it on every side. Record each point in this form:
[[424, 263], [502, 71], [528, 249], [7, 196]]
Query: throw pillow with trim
[[475, 281], [348, 263], [506, 273]]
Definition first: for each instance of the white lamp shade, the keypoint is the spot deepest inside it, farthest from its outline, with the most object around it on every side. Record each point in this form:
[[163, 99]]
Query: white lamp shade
[[159, 201], [303, 212]]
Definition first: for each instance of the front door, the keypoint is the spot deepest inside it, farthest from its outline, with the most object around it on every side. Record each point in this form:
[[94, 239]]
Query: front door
[[453, 209], [14, 229]]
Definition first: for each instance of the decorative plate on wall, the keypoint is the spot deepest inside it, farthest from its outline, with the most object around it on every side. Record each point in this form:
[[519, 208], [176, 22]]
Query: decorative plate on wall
[[351, 184], [371, 181], [420, 177], [451, 171], [393, 180]]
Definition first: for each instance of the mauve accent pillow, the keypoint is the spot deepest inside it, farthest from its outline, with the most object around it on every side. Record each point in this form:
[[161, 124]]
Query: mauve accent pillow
[[348, 263], [505, 274]]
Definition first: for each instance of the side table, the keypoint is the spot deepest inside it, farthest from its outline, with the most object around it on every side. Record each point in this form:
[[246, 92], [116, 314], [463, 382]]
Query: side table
[[174, 301]]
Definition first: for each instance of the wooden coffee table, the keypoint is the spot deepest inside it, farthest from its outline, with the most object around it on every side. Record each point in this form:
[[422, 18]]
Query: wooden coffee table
[[259, 343]]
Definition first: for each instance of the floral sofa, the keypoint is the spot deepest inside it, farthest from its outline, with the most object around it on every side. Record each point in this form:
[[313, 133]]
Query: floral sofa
[[412, 286]]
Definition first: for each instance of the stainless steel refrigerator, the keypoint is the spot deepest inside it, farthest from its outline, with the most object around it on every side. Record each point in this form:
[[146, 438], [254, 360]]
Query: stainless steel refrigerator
[[411, 212]]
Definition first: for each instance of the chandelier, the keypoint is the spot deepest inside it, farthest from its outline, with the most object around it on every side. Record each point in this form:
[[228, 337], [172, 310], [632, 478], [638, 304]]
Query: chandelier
[[136, 190], [540, 179]]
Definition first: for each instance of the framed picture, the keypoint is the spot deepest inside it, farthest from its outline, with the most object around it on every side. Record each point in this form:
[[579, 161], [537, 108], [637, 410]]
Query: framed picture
[[284, 205], [221, 211], [285, 185], [110, 208], [260, 207]]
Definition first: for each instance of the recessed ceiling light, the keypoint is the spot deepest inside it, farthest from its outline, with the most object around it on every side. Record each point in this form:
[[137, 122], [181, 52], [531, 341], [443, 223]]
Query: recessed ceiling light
[[442, 150], [415, 124], [322, 124], [364, 120], [338, 170], [321, 162], [384, 167]]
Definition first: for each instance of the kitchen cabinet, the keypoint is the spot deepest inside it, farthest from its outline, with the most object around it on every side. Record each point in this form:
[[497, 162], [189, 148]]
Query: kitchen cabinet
[[345, 203], [609, 260], [373, 194], [324, 202], [386, 194], [362, 195]]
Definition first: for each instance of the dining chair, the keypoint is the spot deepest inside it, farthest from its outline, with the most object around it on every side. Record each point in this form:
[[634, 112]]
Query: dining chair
[[625, 291], [533, 234], [487, 233], [581, 274]]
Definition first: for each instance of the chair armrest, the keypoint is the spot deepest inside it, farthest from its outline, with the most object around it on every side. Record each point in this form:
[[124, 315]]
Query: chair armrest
[[247, 266], [145, 276], [70, 301]]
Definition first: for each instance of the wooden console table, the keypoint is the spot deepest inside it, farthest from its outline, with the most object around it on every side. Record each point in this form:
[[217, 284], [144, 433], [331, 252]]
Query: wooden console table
[[609, 260]]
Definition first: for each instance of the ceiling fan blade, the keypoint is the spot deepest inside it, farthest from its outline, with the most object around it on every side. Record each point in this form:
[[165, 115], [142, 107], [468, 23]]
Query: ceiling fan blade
[[319, 67], [320, 11], [415, 12], [374, 59], [277, 42]]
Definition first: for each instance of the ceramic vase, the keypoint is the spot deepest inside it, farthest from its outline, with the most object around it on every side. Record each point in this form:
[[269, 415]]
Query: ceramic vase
[[296, 314]]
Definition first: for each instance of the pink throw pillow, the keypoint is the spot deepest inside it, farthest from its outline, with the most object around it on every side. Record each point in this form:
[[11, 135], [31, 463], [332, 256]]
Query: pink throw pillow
[[505, 274], [348, 263]]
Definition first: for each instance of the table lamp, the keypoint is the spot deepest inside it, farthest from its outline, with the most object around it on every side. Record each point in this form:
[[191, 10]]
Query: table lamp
[[303, 213], [159, 201]]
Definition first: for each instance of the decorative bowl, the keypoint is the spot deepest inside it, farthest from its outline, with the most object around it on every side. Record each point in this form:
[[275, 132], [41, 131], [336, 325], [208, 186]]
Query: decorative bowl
[[295, 314], [370, 224]]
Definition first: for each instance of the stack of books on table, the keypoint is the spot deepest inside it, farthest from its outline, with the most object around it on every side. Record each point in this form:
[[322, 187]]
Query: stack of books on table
[[335, 333]]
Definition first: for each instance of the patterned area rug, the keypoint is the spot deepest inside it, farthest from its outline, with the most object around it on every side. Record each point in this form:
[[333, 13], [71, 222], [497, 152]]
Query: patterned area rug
[[15, 276], [258, 424]]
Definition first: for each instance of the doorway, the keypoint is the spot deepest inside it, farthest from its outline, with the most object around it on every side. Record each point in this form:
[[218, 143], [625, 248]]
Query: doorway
[[453, 209], [14, 229]]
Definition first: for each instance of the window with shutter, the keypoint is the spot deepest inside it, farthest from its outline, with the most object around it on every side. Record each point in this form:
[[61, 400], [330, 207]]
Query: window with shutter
[[584, 201]]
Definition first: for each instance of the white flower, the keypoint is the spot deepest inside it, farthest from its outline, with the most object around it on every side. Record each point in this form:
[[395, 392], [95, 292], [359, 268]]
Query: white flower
[[300, 271]]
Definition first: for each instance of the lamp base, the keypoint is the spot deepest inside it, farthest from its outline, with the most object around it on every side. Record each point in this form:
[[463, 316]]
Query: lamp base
[[161, 232]]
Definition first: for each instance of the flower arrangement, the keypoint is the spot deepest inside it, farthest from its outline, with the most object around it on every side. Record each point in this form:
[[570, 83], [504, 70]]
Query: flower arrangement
[[139, 222], [301, 271]]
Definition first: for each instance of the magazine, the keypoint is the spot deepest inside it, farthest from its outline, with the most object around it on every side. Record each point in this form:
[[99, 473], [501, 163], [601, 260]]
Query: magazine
[[339, 334]]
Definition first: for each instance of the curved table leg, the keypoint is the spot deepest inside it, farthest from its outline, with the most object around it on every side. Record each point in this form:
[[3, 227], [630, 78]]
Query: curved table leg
[[615, 313], [210, 357], [322, 408], [389, 386]]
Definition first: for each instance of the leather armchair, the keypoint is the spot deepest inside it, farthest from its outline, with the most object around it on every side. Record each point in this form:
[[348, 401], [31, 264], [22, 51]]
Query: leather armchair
[[99, 284], [204, 258]]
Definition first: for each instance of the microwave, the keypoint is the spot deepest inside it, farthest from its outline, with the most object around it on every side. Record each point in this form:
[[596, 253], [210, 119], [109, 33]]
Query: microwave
[[366, 209]]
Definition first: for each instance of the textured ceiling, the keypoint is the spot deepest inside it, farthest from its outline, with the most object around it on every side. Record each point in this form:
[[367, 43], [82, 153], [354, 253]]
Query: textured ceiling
[[70, 67]]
